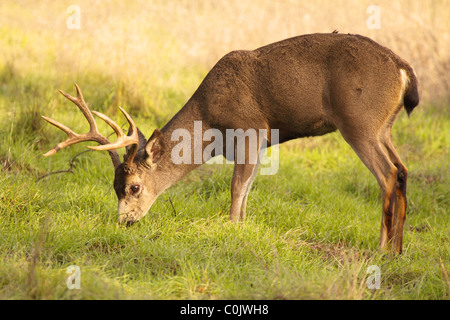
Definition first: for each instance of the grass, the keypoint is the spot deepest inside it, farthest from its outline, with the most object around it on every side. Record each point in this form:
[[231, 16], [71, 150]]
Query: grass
[[311, 232], [312, 229]]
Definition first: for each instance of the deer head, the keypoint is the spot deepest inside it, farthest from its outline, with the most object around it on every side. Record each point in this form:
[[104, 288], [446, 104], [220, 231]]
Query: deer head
[[135, 189]]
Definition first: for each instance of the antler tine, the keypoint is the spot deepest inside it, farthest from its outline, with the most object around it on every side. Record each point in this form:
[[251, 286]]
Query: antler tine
[[67, 130], [81, 104], [122, 139], [73, 138], [94, 135]]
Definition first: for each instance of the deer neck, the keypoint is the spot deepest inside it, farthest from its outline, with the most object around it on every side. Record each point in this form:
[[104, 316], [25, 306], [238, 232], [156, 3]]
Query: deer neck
[[186, 121]]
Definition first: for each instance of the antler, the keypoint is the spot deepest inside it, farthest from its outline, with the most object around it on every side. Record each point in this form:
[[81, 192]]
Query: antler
[[94, 135]]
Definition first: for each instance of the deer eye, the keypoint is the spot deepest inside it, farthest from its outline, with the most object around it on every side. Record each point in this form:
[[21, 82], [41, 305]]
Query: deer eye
[[135, 188]]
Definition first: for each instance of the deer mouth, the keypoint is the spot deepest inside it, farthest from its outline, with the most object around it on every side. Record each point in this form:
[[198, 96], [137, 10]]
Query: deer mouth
[[128, 219]]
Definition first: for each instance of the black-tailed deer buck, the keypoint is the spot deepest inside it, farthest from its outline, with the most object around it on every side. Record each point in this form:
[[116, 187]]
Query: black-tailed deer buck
[[304, 86]]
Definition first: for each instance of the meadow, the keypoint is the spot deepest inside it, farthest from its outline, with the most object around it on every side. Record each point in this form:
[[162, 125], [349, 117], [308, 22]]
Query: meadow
[[312, 230]]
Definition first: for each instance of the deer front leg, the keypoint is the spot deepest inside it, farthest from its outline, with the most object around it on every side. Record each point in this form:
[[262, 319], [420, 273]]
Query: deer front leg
[[249, 186], [243, 177]]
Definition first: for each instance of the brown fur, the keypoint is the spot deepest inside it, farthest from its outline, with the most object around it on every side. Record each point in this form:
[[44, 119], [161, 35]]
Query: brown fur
[[304, 86]]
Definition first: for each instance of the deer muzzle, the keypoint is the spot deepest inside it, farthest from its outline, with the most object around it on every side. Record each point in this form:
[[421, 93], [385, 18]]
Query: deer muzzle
[[127, 219]]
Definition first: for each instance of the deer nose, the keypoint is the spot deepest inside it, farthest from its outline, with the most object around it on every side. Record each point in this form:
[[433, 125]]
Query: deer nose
[[127, 220], [129, 223]]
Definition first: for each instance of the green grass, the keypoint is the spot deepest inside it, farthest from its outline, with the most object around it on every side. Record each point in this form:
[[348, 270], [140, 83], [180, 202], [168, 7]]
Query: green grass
[[312, 229]]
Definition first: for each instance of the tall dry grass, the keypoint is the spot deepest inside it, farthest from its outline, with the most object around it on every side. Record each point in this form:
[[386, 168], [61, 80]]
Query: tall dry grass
[[153, 44]]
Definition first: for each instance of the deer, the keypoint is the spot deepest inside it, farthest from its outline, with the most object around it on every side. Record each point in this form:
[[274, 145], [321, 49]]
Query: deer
[[304, 86]]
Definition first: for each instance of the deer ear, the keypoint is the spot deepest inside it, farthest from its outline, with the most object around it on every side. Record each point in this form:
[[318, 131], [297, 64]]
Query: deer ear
[[154, 148]]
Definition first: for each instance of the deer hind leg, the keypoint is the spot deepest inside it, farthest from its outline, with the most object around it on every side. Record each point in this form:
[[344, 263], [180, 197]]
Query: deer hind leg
[[371, 151], [400, 192]]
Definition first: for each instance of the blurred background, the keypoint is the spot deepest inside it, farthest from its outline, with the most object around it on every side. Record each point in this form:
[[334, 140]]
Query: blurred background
[[150, 56]]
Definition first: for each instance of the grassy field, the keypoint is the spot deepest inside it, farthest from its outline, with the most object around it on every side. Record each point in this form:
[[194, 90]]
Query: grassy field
[[312, 230]]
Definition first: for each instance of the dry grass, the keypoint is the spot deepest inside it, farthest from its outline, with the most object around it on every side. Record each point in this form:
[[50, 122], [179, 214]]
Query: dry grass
[[144, 45]]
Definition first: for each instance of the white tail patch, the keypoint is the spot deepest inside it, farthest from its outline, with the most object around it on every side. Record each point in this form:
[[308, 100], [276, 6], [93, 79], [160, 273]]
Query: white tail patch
[[405, 83], [405, 80]]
